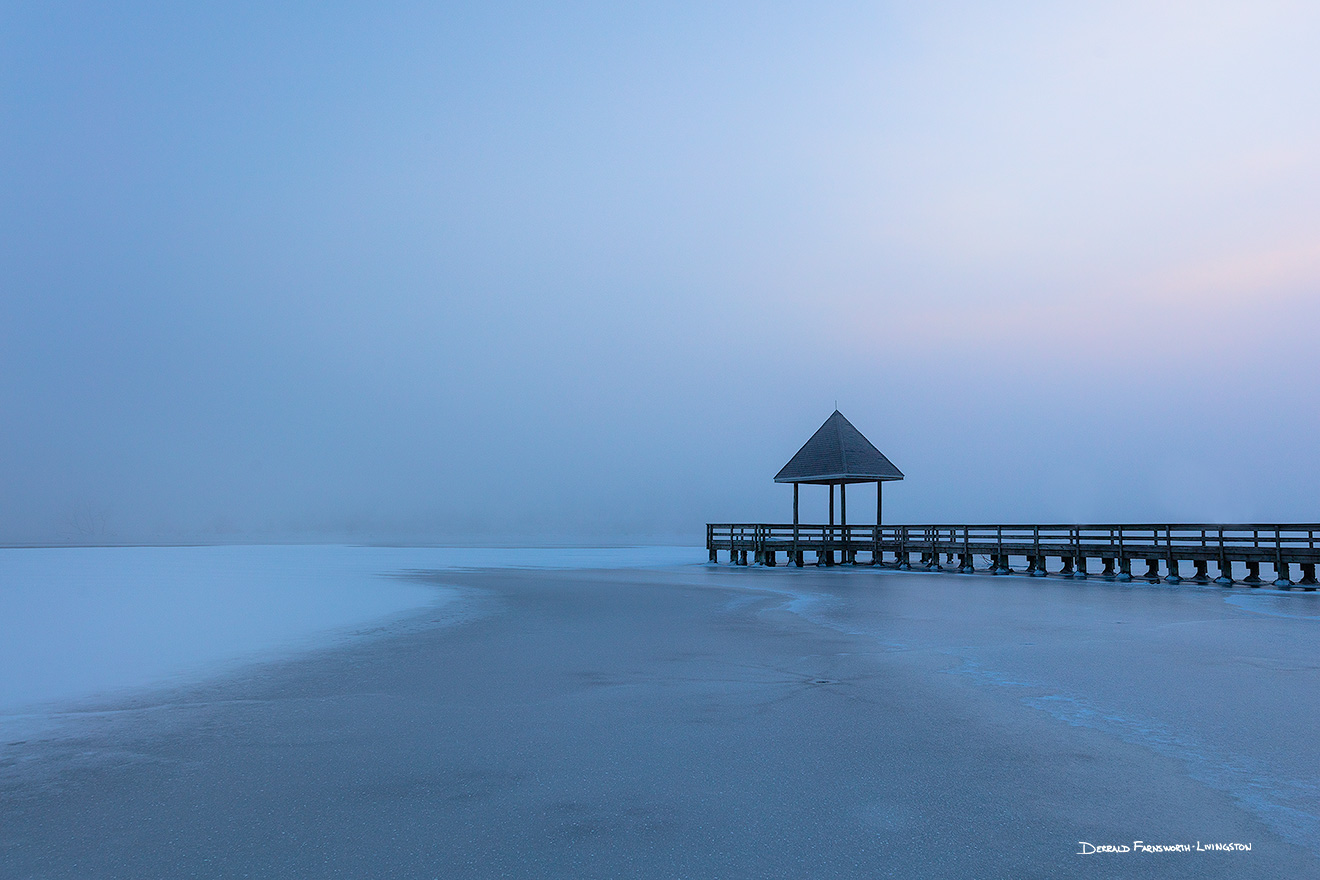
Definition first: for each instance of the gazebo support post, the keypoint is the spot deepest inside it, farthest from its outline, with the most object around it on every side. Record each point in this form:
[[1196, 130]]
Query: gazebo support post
[[847, 556], [795, 511], [875, 554], [796, 555], [879, 520], [829, 541]]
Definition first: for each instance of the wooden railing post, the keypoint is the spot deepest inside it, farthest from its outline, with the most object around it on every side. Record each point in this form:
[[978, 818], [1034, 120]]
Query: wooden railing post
[[1282, 570], [1173, 577]]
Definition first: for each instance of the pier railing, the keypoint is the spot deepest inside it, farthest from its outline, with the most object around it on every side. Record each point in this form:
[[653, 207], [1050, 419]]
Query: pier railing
[[1184, 549]]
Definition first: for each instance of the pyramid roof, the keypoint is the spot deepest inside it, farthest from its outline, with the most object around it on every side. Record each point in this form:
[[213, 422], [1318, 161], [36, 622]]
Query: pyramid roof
[[838, 453]]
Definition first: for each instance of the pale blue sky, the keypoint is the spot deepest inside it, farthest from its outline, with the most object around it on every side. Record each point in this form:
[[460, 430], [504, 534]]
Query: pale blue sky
[[594, 271]]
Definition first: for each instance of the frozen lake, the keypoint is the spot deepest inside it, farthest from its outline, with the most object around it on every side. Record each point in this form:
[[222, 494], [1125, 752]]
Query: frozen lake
[[694, 720], [77, 623]]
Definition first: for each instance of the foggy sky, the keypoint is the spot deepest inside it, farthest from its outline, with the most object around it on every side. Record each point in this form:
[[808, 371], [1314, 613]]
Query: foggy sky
[[595, 271]]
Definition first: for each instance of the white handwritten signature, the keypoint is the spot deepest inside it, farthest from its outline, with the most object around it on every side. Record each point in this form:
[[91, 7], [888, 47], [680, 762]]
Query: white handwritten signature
[[1139, 846]]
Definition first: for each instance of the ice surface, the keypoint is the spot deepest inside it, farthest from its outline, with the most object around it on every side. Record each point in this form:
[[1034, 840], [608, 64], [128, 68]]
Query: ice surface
[[712, 721], [77, 622], [1225, 682]]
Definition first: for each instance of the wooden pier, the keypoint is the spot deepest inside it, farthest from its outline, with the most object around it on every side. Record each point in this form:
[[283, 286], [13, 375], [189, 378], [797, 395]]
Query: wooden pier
[[1171, 553], [838, 455]]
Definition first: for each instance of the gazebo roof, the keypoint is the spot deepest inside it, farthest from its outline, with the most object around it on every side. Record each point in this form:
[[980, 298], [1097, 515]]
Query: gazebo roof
[[838, 453]]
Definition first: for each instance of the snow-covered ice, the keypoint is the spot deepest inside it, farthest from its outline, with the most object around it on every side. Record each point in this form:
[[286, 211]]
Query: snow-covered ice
[[81, 622]]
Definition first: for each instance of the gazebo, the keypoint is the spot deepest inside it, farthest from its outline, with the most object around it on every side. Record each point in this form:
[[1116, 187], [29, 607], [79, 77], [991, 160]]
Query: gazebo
[[836, 455]]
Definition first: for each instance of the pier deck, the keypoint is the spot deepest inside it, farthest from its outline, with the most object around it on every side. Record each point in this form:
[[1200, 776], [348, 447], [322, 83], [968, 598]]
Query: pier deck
[[1184, 550]]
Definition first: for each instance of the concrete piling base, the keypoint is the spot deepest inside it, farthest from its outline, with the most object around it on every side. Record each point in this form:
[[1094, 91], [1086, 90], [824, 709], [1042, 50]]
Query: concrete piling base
[[1152, 574]]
